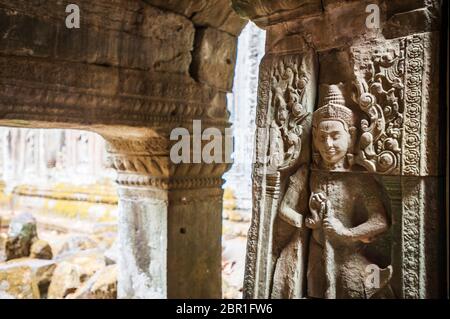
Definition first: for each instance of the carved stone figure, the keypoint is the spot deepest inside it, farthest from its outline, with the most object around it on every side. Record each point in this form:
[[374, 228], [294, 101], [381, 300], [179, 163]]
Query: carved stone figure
[[290, 268], [345, 214], [289, 279], [376, 203]]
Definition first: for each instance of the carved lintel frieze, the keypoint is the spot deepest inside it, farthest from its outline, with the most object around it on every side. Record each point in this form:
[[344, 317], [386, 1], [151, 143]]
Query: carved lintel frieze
[[288, 96], [414, 135], [415, 232], [380, 96]]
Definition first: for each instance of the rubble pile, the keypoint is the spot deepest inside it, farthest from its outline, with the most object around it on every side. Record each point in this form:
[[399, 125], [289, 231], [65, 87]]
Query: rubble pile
[[72, 266]]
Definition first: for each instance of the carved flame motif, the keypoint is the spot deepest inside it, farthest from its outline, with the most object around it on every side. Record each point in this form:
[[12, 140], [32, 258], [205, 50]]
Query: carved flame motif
[[289, 105], [380, 96]]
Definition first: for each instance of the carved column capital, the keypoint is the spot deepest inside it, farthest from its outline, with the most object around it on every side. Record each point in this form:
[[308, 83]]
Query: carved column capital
[[146, 162]]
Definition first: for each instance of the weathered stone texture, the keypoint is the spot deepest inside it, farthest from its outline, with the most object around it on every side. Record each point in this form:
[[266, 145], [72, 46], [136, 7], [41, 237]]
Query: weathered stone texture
[[122, 33], [26, 278], [267, 12], [66, 280], [107, 95], [214, 58], [133, 72], [18, 283], [398, 6], [161, 197], [217, 14], [130, 61], [330, 26], [191, 217], [40, 249], [402, 24], [103, 285]]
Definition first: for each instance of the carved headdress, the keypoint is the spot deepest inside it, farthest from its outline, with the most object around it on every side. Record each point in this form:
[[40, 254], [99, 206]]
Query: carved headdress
[[333, 108]]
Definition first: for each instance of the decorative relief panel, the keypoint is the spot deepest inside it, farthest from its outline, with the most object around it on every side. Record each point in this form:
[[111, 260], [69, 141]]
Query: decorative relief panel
[[389, 90], [338, 189], [287, 95]]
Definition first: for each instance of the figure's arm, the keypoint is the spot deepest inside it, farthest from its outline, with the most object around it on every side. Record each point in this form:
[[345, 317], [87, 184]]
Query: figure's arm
[[377, 221], [286, 212], [294, 198]]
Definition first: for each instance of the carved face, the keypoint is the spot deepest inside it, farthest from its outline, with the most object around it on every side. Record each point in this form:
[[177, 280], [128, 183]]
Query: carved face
[[332, 141]]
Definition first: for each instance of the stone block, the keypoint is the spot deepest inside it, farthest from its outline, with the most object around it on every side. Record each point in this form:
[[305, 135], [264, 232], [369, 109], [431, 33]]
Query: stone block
[[66, 280], [103, 285], [400, 6], [41, 249], [205, 13], [122, 34], [21, 234], [26, 278], [214, 58], [416, 21]]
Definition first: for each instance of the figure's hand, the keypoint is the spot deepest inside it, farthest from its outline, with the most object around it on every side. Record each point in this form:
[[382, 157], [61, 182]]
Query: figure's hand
[[334, 227], [316, 207], [316, 202]]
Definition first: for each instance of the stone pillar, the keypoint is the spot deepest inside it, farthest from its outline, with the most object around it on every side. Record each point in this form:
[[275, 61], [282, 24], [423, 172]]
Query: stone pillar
[[380, 59], [169, 222]]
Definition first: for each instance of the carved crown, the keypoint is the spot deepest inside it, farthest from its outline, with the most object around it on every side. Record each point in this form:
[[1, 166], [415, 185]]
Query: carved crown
[[333, 108]]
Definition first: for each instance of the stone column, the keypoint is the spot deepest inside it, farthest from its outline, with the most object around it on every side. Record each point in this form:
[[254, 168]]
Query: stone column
[[384, 57], [169, 221]]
